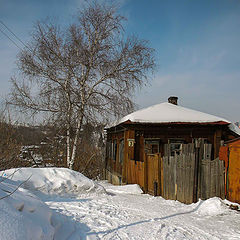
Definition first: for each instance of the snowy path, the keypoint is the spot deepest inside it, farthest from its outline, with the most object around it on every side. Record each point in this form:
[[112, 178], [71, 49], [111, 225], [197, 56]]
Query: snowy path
[[135, 216]]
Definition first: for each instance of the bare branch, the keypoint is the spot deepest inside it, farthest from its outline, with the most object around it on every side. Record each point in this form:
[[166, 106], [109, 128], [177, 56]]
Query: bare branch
[[86, 71], [10, 193]]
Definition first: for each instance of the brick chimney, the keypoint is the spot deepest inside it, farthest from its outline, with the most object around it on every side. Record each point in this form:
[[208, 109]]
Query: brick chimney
[[173, 100]]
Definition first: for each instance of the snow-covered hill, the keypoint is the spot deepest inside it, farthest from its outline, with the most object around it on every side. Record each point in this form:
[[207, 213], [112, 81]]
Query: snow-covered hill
[[23, 215]]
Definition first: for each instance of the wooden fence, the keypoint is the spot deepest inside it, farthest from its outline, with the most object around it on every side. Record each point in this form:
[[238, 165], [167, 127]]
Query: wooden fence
[[135, 173], [178, 175], [211, 179], [187, 175]]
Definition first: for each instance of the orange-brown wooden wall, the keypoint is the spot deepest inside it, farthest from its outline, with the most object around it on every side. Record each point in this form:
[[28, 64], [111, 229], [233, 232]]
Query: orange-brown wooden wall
[[231, 155]]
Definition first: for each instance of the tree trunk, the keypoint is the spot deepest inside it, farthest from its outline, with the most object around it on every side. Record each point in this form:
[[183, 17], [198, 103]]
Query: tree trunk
[[74, 149], [68, 131], [68, 146]]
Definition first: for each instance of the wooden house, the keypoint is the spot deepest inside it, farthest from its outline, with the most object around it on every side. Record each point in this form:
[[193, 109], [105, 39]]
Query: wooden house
[[230, 153], [157, 131]]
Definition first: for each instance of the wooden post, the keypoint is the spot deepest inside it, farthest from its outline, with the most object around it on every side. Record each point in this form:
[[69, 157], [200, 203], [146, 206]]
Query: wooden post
[[217, 142], [196, 169], [145, 173], [125, 159], [159, 175]]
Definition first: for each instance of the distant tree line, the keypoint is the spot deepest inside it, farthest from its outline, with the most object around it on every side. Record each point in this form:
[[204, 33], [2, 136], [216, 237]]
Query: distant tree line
[[42, 146]]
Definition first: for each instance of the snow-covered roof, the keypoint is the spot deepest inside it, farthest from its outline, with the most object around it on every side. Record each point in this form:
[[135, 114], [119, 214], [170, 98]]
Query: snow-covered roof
[[171, 113], [234, 128]]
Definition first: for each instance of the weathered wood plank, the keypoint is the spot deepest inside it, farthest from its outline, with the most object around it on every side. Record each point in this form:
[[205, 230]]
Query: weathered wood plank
[[162, 189], [179, 180], [185, 178], [191, 178], [217, 177], [174, 178], [222, 179], [178, 174]]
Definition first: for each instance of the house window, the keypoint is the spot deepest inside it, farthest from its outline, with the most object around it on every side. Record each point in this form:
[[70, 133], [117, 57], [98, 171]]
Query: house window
[[176, 147], [137, 148], [121, 151], [151, 146], [109, 150], [114, 150]]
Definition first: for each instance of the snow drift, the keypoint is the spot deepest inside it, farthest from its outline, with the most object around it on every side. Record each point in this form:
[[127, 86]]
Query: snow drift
[[212, 207], [55, 181], [23, 216], [124, 189]]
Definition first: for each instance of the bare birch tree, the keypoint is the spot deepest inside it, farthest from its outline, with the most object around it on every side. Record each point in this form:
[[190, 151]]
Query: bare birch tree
[[86, 71]]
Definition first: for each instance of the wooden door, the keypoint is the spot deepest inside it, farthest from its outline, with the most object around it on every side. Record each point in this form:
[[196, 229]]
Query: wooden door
[[153, 174]]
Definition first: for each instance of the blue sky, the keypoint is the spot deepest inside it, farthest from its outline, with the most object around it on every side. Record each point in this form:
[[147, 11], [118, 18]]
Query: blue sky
[[197, 46]]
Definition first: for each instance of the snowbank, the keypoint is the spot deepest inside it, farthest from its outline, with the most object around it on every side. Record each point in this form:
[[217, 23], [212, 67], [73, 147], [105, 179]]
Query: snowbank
[[55, 181], [212, 207], [127, 189], [22, 215]]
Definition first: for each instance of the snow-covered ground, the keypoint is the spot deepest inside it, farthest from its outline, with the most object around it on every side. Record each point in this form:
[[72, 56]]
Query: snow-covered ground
[[82, 209]]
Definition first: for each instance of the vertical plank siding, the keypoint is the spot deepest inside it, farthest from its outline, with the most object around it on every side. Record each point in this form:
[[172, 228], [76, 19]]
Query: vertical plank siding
[[178, 174], [211, 183], [135, 173], [234, 174], [146, 174], [230, 154]]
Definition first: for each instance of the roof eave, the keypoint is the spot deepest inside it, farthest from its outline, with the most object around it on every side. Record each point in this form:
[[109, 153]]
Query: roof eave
[[176, 123], [129, 122]]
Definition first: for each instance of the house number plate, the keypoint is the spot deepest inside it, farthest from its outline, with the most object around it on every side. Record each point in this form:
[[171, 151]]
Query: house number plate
[[131, 142]]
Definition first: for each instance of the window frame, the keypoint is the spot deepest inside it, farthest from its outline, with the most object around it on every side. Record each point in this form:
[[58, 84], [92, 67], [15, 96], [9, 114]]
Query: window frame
[[121, 151], [156, 140], [176, 142], [114, 150]]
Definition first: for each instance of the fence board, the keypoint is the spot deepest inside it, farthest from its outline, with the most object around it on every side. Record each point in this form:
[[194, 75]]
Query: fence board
[[182, 180], [222, 178], [179, 178], [217, 178], [135, 173], [153, 173], [191, 178], [178, 174]]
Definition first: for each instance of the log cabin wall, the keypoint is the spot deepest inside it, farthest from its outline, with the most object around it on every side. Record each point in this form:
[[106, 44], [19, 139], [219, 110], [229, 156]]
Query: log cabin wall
[[186, 133], [134, 137], [231, 156], [128, 152], [114, 165], [133, 159]]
